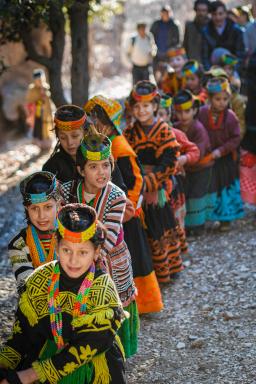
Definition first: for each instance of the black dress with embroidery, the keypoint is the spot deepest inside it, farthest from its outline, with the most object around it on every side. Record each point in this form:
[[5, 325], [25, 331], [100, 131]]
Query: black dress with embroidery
[[92, 353]]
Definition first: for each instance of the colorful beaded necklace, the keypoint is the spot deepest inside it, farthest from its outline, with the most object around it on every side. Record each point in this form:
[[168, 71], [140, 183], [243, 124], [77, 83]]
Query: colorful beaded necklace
[[215, 125], [81, 198], [79, 307], [37, 251]]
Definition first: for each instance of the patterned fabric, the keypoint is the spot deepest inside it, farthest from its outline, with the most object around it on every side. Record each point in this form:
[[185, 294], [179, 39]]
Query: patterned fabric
[[110, 209], [20, 258], [157, 150], [248, 177], [90, 339]]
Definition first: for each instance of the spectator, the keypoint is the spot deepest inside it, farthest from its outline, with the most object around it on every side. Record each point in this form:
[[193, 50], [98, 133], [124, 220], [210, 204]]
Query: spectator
[[166, 34], [193, 30], [221, 32], [140, 52], [250, 38]]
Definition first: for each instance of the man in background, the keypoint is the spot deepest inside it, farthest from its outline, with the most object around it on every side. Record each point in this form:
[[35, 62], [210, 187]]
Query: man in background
[[140, 52], [193, 30]]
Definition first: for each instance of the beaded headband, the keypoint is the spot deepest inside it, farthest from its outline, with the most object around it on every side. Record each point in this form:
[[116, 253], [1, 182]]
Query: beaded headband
[[76, 237], [36, 198], [165, 102], [112, 108], [94, 142], [184, 106], [229, 60], [69, 125], [217, 85], [176, 52], [190, 68]]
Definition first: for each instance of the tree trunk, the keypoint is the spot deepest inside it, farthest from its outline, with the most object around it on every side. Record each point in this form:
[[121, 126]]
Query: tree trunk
[[57, 27], [78, 14]]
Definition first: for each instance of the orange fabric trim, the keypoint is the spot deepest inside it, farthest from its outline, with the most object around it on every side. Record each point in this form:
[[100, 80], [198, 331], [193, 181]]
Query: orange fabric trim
[[144, 98], [121, 147], [149, 295], [69, 125]]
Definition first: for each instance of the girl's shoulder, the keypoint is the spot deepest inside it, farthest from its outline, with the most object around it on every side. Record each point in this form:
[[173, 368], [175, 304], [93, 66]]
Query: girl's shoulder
[[19, 241], [37, 283], [114, 190]]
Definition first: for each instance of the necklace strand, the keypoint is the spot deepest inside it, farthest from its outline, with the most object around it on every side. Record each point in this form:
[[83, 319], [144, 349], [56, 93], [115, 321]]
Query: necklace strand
[[80, 303]]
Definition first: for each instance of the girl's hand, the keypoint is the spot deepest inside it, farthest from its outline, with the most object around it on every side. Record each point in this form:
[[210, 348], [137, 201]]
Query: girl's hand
[[182, 160], [28, 376], [216, 153]]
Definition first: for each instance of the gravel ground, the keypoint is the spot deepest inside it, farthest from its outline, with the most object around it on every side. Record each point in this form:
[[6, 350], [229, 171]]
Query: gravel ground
[[207, 331]]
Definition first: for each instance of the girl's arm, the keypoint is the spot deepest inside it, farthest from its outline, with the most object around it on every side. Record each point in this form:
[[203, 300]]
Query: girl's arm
[[167, 154], [113, 219], [20, 259], [233, 141]]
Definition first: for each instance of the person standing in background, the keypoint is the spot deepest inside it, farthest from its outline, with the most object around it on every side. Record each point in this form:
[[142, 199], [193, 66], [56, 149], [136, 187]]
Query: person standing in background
[[39, 109], [222, 32], [166, 34], [193, 30], [140, 52]]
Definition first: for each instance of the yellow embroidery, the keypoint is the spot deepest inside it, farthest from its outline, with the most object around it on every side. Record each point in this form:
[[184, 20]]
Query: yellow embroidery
[[94, 320], [101, 371], [69, 368], [16, 327], [9, 358], [19, 243], [49, 371], [85, 354]]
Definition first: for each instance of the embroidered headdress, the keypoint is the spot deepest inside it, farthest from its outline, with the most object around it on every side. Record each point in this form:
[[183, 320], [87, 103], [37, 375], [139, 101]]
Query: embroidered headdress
[[229, 59], [112, 108], [96, 147], [69, 118], [144, 91], [77, 223], [217, 85], [166, 101], [183, 101], [39, 188]]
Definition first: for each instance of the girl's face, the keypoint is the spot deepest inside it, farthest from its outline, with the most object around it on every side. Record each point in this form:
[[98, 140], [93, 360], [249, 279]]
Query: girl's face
[[185, 117], [177, 63], [43, 215], [96, 175], [76, 258], [70, 140], [219, 101], [163, 114], [144, 112], [192, 82]]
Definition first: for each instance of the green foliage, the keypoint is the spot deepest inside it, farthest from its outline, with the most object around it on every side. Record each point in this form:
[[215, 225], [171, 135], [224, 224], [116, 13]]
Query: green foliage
[[24, 15]]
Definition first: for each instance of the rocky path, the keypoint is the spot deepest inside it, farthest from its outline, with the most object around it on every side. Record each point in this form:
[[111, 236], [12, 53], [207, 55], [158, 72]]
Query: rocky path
[[207, 331]]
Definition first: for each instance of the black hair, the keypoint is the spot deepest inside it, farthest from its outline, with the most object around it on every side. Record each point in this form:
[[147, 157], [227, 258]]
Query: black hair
[[203, 2], [79, 217], [102, 115], [217, 4]]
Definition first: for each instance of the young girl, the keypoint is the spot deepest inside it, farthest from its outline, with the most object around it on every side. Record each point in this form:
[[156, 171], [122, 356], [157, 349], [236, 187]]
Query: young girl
[[39, 109], [157, 150], [106, 115], [177, 59], [35, 244], [95, 163], [189, 155], [224, 133], [66, 324], [71, 124], [198, 175], [193, 73]]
